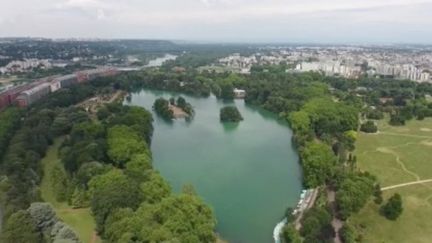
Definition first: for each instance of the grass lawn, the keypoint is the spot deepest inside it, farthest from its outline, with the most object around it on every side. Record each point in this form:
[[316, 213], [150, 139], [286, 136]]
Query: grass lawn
[[80, 220], [397, 155]]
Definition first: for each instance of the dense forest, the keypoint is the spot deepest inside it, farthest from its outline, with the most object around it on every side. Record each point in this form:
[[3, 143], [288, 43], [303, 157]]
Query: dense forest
[[106, 164]]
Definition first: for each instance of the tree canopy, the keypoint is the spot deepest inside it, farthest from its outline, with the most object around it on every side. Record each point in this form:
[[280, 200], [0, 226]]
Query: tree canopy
[[230, 114]]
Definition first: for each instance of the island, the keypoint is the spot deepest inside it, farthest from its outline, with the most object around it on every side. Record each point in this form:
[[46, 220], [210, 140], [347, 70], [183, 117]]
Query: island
[[162, 108], [181, 108], [230, 114], [172, 109]]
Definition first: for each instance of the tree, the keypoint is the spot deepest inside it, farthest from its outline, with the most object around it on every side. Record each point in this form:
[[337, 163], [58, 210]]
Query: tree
[[59, 182], [329, 117], [227, 91], [155, 189], [137, 118], [316, 225], [61, 125], [230, 114], [161, 106], [43, 215], [374, 114], [369, 127], [123, 143], [397, 120], [139, 166], [61, 232], [172, 101], [300, 122], [80, 198], [87, 171], [318, 161], [353, 193], [347, 234], [182, 218], [103, 113], [111, 191], [393, 208], [290, 234], [378, 194], [20, 228], [181, 102], [185, 106]]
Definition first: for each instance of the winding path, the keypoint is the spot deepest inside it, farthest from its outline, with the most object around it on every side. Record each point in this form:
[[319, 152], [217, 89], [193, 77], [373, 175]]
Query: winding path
[[406, 184], [399, 161]]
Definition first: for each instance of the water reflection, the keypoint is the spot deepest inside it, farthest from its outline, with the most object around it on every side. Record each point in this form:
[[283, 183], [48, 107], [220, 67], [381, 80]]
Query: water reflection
[[230, 127]]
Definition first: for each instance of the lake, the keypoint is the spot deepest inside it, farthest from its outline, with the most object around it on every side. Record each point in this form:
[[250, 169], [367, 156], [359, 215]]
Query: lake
[[248, 173]]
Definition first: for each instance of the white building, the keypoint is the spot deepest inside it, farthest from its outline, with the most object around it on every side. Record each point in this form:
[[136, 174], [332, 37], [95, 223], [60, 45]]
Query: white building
[[239, 93]]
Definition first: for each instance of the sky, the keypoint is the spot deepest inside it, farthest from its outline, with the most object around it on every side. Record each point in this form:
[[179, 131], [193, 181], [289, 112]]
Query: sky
[[291, 21]]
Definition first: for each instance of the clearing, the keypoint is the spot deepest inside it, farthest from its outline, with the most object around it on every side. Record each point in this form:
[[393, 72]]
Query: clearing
[[401, 159], [81, 219]]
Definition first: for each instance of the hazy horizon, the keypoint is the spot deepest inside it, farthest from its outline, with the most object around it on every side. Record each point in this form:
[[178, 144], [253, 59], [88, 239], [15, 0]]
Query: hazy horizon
[[223, 21]]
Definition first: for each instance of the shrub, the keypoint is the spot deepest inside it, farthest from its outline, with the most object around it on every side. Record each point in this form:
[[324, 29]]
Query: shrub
[[369, 127], [393, 208]]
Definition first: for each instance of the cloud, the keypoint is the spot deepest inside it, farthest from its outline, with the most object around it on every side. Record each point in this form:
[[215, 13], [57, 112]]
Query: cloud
[[221, 19], [101, 14]]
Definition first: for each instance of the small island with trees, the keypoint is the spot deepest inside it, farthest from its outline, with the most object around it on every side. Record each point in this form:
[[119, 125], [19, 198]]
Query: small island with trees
[[173, 109], [230, 114], [162, 108], [183, 107]]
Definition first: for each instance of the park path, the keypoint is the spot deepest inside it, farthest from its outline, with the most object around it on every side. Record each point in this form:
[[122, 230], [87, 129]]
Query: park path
[[405, 135], [399, 161], [314, 196], [94, 237], [406, 184], [336, 223]]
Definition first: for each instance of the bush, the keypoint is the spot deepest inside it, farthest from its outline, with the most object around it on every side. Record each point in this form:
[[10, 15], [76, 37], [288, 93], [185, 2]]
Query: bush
[[374, 114], [347, 234], [393, 208], [290, 234], [369, 127], [397, 120]]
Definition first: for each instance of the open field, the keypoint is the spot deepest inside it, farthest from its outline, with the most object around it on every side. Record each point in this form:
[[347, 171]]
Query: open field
[[80, 220], [398, 155]]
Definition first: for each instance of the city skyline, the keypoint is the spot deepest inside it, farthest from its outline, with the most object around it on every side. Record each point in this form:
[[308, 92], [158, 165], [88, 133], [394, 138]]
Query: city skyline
[[311, 21]]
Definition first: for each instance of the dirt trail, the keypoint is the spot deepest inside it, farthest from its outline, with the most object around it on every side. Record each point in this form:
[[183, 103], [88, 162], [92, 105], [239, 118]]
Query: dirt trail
[[406, 184], [336, 223], [405, 135], [398, 160], [94, 237]]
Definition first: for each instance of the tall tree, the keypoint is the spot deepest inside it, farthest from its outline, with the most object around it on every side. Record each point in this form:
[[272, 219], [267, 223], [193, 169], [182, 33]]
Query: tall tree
[[20, 228]]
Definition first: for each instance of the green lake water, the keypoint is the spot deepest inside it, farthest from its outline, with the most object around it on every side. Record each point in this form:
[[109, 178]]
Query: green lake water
[[249, 173]]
